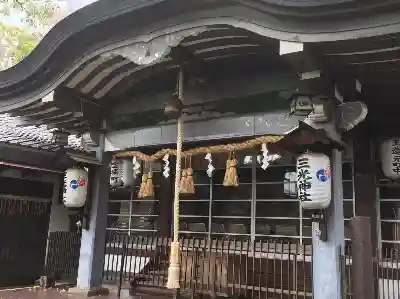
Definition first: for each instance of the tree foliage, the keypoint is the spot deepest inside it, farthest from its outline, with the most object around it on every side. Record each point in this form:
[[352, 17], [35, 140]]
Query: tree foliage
[[37, 13], [34, 18]]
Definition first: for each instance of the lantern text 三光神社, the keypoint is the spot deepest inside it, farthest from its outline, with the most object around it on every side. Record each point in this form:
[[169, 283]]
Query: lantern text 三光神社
[[304, 179], [396, 155]]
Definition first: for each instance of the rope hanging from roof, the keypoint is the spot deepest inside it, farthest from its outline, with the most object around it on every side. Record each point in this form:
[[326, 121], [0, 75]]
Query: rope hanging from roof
[[174, 271], [214, 149]]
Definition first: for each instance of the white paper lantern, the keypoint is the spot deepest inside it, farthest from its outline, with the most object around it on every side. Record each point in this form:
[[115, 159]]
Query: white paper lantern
[[390, 158], [126, 173], [115, 175], [314, 181], [75, 187]]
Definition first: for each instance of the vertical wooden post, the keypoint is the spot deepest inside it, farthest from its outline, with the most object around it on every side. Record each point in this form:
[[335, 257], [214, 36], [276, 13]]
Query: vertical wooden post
[[91, 257], [165, 200], [362, 265], [365, 185], [364, 180]]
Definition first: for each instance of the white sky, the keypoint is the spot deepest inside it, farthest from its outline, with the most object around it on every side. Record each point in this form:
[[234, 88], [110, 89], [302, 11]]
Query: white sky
[[77, 4], [66, 7], [16, 18], [13, 19]]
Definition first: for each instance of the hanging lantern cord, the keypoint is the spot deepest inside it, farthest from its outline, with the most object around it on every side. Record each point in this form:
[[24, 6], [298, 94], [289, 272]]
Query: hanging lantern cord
[[174, 268]]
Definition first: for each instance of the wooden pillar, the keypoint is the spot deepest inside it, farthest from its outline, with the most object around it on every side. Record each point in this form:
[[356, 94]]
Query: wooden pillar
[[363, 285], [364, 181], [165, 199], [91, 258]]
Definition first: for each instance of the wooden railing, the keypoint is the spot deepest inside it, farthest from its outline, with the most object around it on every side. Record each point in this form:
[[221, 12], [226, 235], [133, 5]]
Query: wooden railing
[[223, 267], [386, 273]]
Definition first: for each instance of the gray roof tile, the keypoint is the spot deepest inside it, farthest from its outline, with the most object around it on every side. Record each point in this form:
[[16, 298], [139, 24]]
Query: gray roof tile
[[31, 136]]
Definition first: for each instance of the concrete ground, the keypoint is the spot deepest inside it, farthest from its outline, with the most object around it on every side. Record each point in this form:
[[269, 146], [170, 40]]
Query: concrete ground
[[37, 293]]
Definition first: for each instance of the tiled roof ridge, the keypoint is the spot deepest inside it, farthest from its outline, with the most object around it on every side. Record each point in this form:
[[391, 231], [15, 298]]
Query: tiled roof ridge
[[39, 137]]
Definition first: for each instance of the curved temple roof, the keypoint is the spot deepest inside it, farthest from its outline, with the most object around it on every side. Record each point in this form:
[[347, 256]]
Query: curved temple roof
[[71, 57]]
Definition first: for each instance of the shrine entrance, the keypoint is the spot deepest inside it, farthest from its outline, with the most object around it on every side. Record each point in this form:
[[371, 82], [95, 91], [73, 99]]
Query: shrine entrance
[[23, 229]]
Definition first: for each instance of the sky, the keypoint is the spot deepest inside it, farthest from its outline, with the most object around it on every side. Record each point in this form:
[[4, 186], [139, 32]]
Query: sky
[[13, 19], [76, 4], [66, 7], [16, 18]]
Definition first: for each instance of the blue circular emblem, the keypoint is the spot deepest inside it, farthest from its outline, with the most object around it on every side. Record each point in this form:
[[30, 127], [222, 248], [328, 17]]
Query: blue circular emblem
[[322, 175], [74, 184]]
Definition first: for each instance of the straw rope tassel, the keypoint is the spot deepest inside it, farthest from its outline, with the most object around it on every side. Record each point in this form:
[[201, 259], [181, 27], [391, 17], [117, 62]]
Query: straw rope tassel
[[231, 178], [149, 186], [183, 188], [142, 186], [174, 268], [189, 181]]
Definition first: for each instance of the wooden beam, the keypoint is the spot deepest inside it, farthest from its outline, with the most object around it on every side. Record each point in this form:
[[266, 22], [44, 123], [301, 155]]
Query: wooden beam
[[74, 101], [389, 78], [70, 100], [350, 87], [359, 45], [8, 149], [274, 80], [205, 130], [385, 54], [52, 113], [374, 67], [308, 65], [130, 81], [179, 56], [71, 125], [35, 121], [32, 109], [31, 156], [382, 96], [182, 56]]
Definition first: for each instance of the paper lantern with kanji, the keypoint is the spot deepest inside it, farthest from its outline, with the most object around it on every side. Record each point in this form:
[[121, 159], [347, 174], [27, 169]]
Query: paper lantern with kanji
[[126, 172], [75, 187], [314, 181], [390, 158], [115, 176]]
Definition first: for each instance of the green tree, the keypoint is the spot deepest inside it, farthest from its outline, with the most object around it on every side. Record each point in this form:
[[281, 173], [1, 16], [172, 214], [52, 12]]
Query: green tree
[[33, 18]]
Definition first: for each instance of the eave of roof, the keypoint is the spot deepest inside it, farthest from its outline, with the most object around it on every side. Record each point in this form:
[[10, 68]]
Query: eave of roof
[[38, 137], [92, 90], [96, 29]]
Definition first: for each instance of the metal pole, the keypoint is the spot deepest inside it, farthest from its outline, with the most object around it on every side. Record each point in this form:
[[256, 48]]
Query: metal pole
[[363, 284]]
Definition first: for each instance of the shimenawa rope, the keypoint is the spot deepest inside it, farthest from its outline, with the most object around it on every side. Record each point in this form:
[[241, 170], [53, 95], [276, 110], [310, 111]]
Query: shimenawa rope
[[174, 268], [222, 148]]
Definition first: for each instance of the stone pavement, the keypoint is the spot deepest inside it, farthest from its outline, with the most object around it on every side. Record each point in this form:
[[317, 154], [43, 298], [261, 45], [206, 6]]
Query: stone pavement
[[37, 293]]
